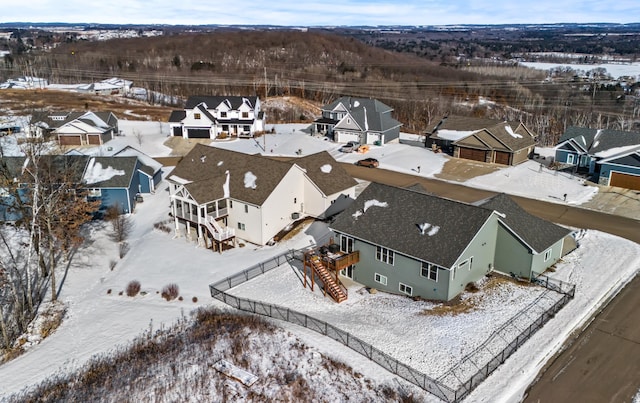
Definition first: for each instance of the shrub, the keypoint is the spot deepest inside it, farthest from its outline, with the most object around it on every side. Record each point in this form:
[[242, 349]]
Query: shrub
[[109, 291], [194, 299], [133, 288], [120, 293], [180, 298], [112, 264], [170, 292]]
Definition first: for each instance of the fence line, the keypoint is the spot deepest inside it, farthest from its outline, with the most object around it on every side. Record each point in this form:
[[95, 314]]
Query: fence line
[[433, 386]]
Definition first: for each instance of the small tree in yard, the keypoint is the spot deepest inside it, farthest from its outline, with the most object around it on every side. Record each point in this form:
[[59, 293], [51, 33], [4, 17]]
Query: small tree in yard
[[133, 288], [121, 226]]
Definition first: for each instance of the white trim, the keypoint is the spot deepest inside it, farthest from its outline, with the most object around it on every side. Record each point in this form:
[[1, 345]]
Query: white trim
[[429, 268], [406, 287], [379, 278], [620, 172], [547, 254]]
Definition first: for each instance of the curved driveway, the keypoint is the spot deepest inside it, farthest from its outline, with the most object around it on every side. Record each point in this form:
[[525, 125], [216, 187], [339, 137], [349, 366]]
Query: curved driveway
[[603, 363]]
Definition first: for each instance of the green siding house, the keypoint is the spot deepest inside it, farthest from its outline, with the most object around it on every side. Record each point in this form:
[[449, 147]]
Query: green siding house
[[421, 245]]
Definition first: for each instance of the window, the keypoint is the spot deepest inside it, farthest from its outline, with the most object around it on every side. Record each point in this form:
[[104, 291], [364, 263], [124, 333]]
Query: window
[[384, 255], [230, 203], [547, 254], [223, 114], [196, 116], [346, 244], [225, 128], [245, 115], [406, 289], [246, 208], [466, 264], [379, 278], [295, 200], [241, 226], [246, 128], [429, 271]]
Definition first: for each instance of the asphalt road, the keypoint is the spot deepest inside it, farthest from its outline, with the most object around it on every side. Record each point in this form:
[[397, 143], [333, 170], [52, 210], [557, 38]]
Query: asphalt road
[[602, 364]]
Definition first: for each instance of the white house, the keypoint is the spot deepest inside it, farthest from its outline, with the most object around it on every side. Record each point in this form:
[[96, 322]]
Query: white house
[[221, 195], [214, 116]]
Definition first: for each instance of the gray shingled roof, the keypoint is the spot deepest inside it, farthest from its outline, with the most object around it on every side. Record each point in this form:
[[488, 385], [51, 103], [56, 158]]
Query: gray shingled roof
[[631, 159], [212, 102], [71, 166], [377, 117], [462, 123], [330, 181], [598, 140], [177, 116], [396, 226], [539, 234]]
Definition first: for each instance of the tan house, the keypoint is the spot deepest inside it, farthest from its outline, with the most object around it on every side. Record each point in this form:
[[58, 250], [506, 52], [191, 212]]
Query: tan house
[[220, 195], [83, 128], [485, 140]]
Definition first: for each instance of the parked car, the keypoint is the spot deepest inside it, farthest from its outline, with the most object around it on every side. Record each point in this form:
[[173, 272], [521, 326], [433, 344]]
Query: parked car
[[368, 162], [350, 147]]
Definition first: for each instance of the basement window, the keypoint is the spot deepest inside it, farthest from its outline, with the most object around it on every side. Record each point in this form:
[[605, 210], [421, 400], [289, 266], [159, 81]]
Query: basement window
[[406, 289], [379, 278]]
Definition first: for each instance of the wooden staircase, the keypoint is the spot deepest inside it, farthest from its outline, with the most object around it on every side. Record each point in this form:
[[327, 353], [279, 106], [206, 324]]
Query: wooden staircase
[[331, 285]]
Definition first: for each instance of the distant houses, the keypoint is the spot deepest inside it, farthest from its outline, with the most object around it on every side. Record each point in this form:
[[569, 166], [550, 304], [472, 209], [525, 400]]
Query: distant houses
[[74, 128], [210, 117]]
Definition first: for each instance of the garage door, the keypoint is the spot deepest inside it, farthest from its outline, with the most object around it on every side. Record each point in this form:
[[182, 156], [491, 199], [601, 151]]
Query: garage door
[[471, 154], [502, 157], [93, 139], [70, 140], [198, 133], [625, 180]]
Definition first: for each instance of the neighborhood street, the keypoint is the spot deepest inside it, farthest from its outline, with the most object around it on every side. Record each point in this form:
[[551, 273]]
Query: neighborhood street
[[603, 362]]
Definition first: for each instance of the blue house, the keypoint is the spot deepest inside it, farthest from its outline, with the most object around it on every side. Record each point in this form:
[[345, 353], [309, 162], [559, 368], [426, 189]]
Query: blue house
[[149, 173], [115, 180], [607, 156]]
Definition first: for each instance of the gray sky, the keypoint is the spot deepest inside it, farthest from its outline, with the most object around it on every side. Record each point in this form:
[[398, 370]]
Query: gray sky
[[325, 12]]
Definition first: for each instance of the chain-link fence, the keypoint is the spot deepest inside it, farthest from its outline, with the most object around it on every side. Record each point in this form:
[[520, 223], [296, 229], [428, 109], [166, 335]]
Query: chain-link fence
[[455, 384]]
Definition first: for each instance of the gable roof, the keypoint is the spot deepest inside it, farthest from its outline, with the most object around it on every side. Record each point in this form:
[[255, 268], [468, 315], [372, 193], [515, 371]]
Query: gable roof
[[110, 172], [203, 171], [483, 133], [326, 173], [537, 233], [630, 158], [452, 224], [149, 165], [369, 114], [177, 116], [602, 143], [234, 102]]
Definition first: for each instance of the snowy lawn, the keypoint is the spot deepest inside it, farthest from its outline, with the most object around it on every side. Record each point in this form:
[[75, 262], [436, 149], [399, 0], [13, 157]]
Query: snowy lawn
[[442, 335]]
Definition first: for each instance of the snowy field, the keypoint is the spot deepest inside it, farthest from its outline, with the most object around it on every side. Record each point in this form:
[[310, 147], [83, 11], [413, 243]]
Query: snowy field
[[97, 321], [615, 69]]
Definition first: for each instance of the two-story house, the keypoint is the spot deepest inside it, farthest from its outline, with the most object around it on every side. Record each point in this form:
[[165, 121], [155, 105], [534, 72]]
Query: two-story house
[[220, 195], [209, 117], [363, 120]]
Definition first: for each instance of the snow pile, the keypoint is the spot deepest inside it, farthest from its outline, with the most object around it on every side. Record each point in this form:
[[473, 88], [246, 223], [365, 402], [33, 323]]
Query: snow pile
[[511, 132], [225, 185], [373, 202], [425, 226], [250, 180], [96, 173]]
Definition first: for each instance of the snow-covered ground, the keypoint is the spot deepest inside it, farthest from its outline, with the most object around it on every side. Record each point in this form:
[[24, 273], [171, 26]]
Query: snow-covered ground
[[97, 320]]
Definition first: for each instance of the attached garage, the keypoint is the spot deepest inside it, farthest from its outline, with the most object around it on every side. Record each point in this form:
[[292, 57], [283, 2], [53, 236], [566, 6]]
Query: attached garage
[[502, 157], [94, 139], [67, 140], [198, 133], [472, 154], [625, 180]]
